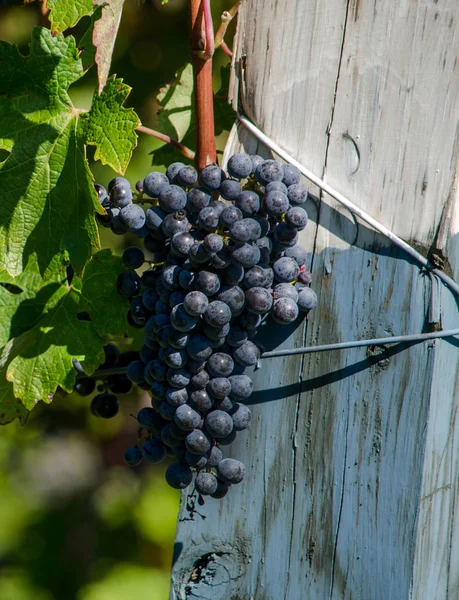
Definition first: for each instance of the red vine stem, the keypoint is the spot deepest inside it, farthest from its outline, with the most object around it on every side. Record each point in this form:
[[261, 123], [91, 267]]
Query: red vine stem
[[201, 46], [166, 138]]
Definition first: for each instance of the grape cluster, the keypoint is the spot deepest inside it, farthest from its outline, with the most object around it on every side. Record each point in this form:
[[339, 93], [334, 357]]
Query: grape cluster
[[224, 253]]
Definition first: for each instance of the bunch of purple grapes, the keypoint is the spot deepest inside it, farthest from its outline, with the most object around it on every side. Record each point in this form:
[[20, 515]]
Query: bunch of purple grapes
[[224, 256]]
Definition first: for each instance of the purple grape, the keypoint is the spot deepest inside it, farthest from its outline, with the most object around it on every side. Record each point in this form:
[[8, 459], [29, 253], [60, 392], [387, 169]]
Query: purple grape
[[239, 166], [285, 290], [269, 170], [219, 387], [241, 415], [213, 243], [307, 299], [297, 217], [217, 314], [230, 189], [247, 355], [176, 397], [179, 476], [181, 243], [208, 219], [172, 198], [220, 364], [214, 458], [197, 442], [178, 378], [197, 199], [133, 257], [207, 282], [154, 451], [181, 320], [206, 484], [200, 380], [230, 215], [186, 176], [297, 194], [200, 400], [199, 347], [285, 270], [211, 177], [231, 471], [285, 311], [133, 456], [248, 203], [291, 176], [219, 424], [245, 255], [187, 418], [174, 223], [154, 183], [276, 203], [298, 254], [196, 461], [258, 300]]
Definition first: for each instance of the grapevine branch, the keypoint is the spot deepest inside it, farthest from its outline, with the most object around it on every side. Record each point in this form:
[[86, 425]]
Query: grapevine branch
[[202, 47], [227, 17]]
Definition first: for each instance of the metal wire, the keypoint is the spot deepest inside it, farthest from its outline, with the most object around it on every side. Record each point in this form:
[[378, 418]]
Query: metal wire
[[417, 337], [453, 286]]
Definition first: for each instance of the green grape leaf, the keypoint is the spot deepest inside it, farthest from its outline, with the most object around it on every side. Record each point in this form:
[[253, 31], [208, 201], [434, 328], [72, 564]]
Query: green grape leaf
[[48, 202], [23, 300], [86, 43], [111, 127], [224, 115], [48, 199], [99, 296], [66, 13], [175, 114], [39, 359], [10, 407]]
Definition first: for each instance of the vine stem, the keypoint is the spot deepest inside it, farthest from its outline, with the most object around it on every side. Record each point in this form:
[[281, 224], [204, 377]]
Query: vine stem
[[202, 47], [166, 138]]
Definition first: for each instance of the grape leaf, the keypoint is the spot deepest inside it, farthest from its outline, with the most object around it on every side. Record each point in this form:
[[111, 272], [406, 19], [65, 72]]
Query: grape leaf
[[39, 359], [66, 13], [99, 296], [48, 197], [10, 407], [104, 37], [48, 201], [111, 127], [175, 115], [23, 301], [86, 44]]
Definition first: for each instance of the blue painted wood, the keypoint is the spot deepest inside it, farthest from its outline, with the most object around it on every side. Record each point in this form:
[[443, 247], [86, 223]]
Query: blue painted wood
[[352, 458]]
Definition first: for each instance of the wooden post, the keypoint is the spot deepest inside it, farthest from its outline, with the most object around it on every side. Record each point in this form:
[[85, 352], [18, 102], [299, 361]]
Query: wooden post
[[353, 456]]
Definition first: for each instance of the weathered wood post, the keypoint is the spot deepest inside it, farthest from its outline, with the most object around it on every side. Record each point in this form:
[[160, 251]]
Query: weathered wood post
[[353, 455]]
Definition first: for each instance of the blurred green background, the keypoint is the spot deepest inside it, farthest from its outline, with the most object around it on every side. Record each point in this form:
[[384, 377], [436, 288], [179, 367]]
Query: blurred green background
[[75, 522]]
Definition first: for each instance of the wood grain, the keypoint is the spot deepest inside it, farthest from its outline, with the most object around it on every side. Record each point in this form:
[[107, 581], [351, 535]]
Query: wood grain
[[352, 458]]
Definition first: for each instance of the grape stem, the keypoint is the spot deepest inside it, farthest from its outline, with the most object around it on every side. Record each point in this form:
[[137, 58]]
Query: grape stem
[[227, 17], [166, 138], [202, 49]]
